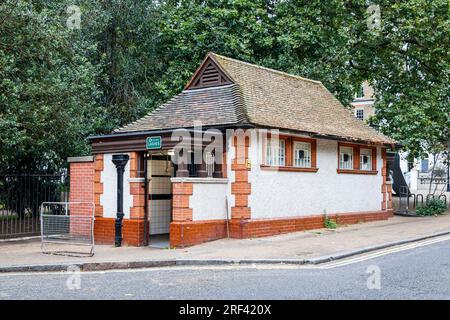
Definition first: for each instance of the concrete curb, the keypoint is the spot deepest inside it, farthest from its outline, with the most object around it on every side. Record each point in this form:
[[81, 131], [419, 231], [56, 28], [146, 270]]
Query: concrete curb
[[346, 254], [139, 264]]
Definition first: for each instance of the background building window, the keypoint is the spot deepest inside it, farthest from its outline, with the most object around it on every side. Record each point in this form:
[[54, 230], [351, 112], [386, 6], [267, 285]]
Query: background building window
[[359, 113], [275, 153], [346, 158], [365, 159], [302, 154]]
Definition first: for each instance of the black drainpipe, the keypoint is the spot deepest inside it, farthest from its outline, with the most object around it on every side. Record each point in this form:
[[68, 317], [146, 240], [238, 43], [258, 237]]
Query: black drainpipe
[[120, 160], [146, 236]]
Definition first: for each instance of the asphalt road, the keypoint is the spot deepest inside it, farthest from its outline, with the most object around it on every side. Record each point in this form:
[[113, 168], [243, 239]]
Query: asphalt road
[[420, 273]]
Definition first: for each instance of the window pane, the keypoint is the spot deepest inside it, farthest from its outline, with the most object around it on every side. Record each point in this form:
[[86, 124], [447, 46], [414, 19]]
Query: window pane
[[281, 157], [365, 162], [275, 152], [359, 113], [346, 158], [209, 164], [302, 154]]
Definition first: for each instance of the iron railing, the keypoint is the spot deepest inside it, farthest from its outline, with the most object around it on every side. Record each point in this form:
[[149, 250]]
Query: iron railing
[[20, 198]]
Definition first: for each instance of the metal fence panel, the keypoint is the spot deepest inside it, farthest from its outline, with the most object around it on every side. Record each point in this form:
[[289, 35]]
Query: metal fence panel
[[67, 228], [20, 198]]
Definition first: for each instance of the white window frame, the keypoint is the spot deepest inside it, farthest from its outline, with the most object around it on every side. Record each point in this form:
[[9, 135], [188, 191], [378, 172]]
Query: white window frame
[[346, 165], [368, 165], [275, 152], [307, 155]]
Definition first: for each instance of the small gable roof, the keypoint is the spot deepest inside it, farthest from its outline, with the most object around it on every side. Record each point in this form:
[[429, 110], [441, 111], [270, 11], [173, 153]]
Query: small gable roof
[[225, 91]]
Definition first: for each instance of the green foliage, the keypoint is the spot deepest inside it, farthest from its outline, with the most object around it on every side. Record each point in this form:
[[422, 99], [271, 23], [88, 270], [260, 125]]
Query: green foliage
[[48, 90], [410, 72], [432, 207], [59, 85], [8, 218], [329, 223]]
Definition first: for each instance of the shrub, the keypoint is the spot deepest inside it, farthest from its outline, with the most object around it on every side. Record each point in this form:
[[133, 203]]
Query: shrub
[[329, 224], [432, 207]]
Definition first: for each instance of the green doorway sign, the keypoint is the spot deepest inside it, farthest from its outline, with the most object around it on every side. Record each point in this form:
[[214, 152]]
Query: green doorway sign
[[153, 143]]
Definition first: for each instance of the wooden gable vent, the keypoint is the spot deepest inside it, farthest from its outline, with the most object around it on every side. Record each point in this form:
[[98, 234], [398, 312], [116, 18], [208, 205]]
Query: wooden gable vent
[[209, 75]]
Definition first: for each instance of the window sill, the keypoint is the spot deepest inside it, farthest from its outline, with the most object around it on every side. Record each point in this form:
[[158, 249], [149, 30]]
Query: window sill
[[290, 169], [354, 171], [200, 180]]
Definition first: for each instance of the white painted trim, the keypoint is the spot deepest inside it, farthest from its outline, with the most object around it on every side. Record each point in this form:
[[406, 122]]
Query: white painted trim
[[201, 180], [136, 179], [357, 103]]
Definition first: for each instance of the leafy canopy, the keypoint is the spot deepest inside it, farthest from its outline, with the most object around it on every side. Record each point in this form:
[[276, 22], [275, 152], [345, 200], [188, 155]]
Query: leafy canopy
[[58, 85]]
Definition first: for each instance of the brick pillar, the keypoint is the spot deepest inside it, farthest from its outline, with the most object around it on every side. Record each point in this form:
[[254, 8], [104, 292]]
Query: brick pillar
[[137, 189], [240, 187], [81, 190], [98, 185], [134, 228], [81, 179], [180, 204], [180, 229]]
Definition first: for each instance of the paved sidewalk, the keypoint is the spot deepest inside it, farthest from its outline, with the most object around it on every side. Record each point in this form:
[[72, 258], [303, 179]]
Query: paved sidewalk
[[295, 246]]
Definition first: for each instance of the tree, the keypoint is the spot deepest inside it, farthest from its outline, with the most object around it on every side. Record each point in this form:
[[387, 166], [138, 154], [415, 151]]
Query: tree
[[59, 85], [48, 89], [409, 68]]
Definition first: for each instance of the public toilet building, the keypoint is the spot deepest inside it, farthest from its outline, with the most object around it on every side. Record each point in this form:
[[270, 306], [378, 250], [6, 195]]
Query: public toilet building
[[286, 153]]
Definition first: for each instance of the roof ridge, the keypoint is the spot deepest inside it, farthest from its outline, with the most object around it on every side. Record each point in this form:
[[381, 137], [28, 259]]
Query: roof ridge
[[210, 88], [265, 68]]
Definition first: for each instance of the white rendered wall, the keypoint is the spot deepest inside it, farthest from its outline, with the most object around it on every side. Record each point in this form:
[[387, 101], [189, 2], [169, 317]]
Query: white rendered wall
[[109, 197], [208, 201], [289, 194]]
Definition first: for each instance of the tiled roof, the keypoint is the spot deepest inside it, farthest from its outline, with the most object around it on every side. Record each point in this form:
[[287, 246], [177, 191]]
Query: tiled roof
[[209, 106], [263, 97], [277, 99]]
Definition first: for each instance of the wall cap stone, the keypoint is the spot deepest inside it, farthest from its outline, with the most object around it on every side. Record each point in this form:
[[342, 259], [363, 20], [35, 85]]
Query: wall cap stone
[[80, 159]]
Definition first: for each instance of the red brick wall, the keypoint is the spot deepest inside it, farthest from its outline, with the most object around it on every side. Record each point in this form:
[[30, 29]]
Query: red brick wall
[[267, 227], [132, 231], [189, 233]]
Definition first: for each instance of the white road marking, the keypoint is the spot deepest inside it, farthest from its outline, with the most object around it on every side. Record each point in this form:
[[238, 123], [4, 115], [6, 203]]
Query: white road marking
[[329, 265], [383, 252]]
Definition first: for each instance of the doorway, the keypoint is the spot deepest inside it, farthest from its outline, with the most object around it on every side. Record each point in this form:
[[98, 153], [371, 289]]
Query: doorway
[[159, 172]]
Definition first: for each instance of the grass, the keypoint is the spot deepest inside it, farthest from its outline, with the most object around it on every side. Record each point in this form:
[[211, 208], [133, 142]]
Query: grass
[[9, 217]]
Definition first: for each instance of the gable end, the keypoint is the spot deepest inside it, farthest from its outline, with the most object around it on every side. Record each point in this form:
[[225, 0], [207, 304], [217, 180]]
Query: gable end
[[209, 74]]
